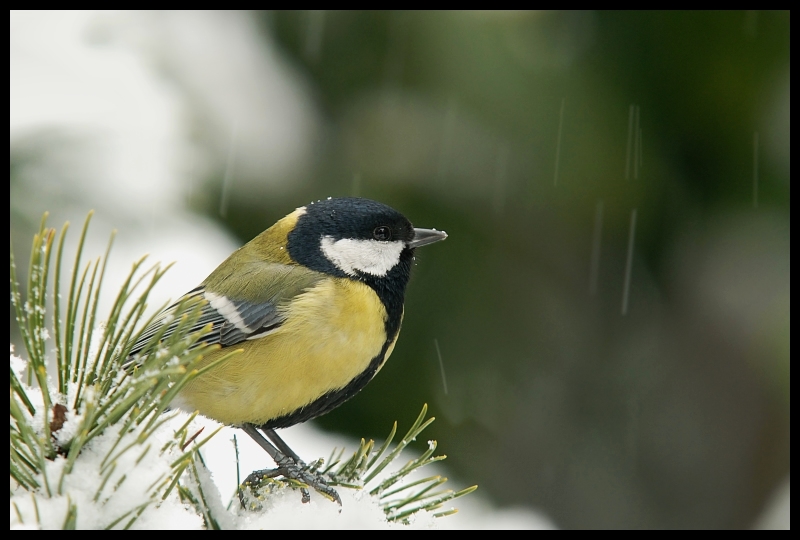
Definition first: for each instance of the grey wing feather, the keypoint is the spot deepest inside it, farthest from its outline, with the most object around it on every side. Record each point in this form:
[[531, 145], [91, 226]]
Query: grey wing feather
[[257, 319], [233, 320], [173, 314], [254, 320]]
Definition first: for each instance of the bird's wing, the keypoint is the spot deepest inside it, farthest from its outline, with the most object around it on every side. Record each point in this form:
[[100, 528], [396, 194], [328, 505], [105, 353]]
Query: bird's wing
[[233, 318]]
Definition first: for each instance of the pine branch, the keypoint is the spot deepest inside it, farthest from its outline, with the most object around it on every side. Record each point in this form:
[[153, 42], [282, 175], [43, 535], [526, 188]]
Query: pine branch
[[95, 404], [362, 471]]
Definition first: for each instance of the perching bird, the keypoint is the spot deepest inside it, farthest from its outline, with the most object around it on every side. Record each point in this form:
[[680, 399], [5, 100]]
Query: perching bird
[[315, 303]]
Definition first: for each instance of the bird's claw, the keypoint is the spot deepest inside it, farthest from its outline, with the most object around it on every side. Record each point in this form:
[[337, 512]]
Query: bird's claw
[[291, 471]]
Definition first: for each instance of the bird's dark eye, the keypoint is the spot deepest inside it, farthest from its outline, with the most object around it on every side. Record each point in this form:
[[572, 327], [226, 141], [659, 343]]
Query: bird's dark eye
[[382, 233]]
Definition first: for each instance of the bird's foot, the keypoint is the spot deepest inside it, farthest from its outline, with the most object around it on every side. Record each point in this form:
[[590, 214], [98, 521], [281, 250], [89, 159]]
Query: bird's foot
[[297, 474]]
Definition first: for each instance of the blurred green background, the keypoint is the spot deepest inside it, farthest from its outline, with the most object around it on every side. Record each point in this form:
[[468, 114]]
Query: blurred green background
[[612, 304]]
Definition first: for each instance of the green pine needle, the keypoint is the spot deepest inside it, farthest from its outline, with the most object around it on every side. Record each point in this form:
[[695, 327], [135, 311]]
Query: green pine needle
[[363, 469], [92, 385]]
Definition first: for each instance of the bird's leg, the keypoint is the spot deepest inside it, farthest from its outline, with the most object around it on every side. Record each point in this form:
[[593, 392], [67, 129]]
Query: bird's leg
[[282, 446], [289, 466]]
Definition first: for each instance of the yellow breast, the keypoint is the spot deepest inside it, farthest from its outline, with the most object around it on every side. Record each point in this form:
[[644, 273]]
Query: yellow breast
[[331, 333]]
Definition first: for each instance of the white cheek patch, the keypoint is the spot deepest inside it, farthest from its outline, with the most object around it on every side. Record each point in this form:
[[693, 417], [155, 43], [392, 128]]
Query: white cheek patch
[[368, 256]]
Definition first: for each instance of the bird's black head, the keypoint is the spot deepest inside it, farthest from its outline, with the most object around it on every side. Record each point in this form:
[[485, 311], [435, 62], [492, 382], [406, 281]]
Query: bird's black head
[[362, 240], [351, 237]]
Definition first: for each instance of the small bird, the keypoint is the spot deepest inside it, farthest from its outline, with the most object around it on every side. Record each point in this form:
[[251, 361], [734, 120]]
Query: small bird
[[315, 304]]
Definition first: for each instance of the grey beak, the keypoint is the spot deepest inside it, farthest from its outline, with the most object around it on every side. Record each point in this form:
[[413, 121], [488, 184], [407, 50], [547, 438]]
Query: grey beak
[[423, 237]]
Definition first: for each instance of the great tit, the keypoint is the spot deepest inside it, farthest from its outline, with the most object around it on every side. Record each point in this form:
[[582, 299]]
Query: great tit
[[315, 304]]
